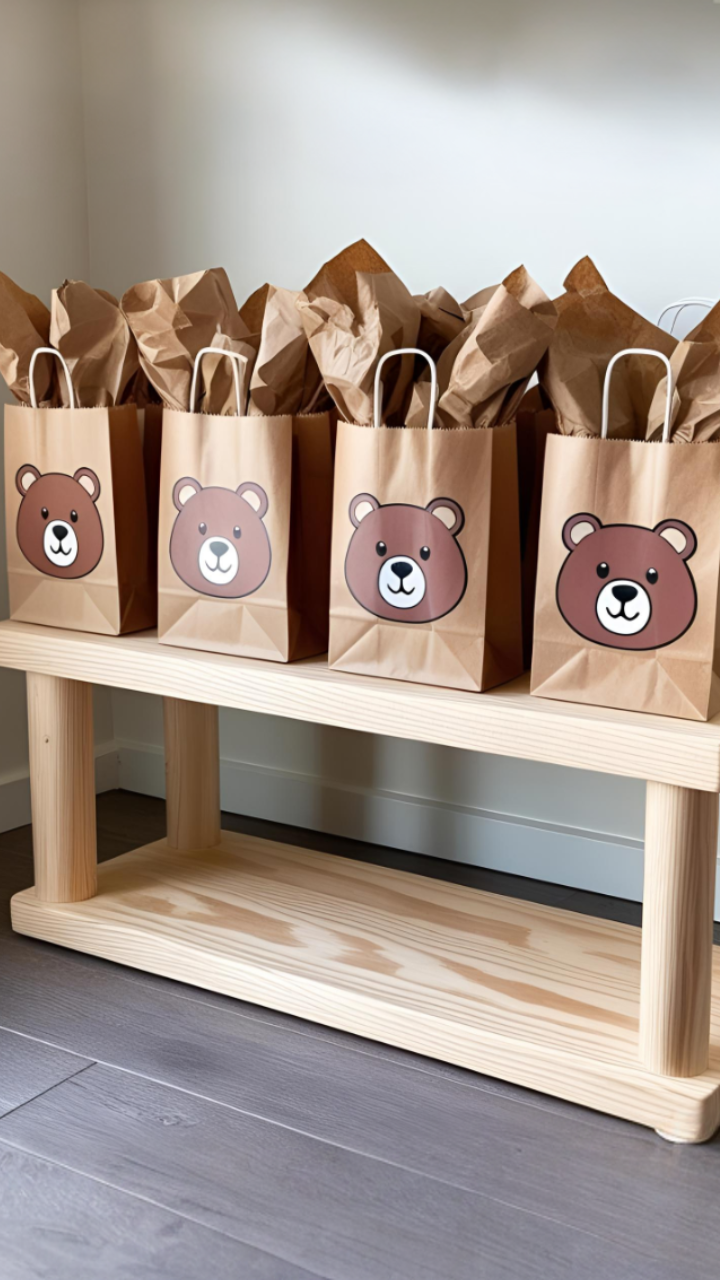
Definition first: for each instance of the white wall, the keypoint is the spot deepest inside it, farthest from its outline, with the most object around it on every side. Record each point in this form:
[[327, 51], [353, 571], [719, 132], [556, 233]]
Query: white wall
[[460, 138], [43, 238]]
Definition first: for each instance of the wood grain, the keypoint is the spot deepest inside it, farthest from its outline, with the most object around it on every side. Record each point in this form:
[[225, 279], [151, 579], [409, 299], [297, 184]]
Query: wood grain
[[333, 1211], [61, 1224], [62, 780], [681, 832], [541, 997], [192, 774], [565, 1163], [506, 721]]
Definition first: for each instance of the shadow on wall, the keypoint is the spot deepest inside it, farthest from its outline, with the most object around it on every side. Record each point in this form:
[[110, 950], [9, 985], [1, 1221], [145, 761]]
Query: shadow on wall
[[566, 47], [458, 138]]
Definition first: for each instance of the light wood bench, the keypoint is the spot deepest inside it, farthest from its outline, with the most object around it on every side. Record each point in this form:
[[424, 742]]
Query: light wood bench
[[555, 1001]]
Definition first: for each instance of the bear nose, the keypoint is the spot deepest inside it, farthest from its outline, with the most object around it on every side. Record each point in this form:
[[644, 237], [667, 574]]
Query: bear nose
[[60, 531], [402, 569], [218, 548], [624, 594]]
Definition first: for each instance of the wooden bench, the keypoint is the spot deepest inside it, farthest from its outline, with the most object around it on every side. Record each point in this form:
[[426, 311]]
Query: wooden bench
[[585, 1009]]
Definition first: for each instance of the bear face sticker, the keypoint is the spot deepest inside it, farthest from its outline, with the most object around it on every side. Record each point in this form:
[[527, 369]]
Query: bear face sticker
[[219, 545], [58, 526], [404, 562], [625, 586]]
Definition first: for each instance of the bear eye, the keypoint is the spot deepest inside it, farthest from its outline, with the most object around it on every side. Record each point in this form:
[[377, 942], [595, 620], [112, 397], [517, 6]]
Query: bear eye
[[652, 576], [202, 527], [424, 553], [381, 548], [73, 516], [603, 569], [237, 531], [44, 513]]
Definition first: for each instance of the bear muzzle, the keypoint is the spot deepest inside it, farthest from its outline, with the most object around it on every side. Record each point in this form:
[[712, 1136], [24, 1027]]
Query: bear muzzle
[[623, 607], [401, 582], [60, 543], [218, 561]]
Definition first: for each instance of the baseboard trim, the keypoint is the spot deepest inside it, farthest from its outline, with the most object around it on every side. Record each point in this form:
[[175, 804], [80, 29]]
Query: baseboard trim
[[15, 787], [590, 860]]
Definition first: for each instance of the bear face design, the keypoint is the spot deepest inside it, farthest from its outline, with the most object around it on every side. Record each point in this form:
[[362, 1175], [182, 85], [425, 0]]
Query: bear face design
[[219, 545], [626, 586], [404, 562], [58, 526]]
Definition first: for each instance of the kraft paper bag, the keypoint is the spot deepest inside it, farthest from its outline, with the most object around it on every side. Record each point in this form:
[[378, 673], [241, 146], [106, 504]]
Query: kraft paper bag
[[77, 528], [244, 533], [425, 582], [629, 568]]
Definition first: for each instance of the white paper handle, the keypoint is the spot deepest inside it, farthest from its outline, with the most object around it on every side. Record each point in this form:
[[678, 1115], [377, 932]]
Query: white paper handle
[[638, 351], [679, 306], [377, 396], [48, 351], [238, 362]]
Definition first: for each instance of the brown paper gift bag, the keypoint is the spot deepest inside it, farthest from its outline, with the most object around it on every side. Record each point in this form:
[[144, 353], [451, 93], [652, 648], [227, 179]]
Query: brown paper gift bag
[[425, 582], [629, 567], [244, 541], [77, 530]]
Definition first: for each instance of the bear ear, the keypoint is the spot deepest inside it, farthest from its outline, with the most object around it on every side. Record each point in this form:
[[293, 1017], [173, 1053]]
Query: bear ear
[[361, 506], [579, 527], [184, 490], [261, 503], [89, 482], [679, 535], [26, 477], [449, 512]]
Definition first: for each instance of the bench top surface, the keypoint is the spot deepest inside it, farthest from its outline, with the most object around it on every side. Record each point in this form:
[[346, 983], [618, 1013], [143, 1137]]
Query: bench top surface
[[507, 721]]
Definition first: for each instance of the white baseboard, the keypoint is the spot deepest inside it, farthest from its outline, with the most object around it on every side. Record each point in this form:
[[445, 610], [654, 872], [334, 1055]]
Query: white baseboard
[[589, 860], [15, 787], [583, 859]]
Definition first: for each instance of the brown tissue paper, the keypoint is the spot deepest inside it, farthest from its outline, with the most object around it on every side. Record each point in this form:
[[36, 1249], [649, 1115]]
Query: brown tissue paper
[[696, 367], [90, 331], [593, 325], [484, 371], [24, 326], [285, 376], [172, 320], [354, 311]]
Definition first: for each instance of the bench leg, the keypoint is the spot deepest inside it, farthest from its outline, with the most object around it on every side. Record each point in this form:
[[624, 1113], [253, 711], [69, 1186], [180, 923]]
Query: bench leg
[[62, 784], [192, 774], [681, 828]]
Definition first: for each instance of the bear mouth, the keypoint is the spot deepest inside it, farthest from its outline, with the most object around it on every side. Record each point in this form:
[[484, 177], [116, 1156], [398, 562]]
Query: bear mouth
[[218, 561], [629, 617], [623, 607], [400, 591], [59, 550]]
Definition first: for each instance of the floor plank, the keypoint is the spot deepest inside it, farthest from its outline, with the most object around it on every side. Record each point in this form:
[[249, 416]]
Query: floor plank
[[60, 1225], [28, 1067], [619, 1181], [467, 1135], [329, 1210]]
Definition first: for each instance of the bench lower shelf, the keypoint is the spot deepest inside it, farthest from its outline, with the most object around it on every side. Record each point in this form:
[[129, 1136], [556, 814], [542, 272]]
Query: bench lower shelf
[[542, 997]]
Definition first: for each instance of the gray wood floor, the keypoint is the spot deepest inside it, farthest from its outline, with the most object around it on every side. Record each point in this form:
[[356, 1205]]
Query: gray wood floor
[[149, 1129]]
